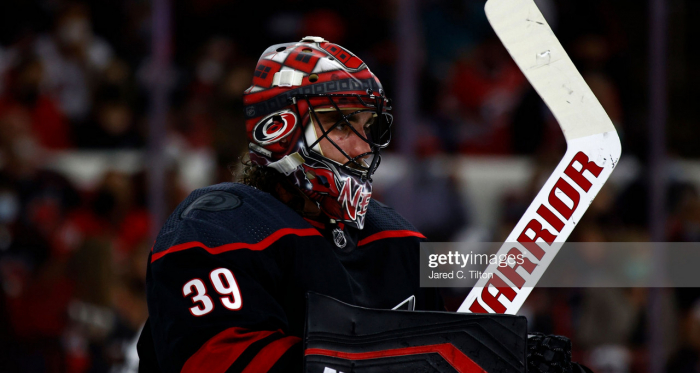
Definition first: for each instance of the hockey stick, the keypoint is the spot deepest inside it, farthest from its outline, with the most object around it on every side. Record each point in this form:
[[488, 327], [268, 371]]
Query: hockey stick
[[593, 150]]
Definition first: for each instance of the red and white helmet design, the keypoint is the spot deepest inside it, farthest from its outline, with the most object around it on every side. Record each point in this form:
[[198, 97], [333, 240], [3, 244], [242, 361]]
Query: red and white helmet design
[[291, 84]]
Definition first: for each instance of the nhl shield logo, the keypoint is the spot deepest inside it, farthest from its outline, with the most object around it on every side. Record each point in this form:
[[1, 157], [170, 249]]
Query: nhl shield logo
[[275, 127], [339, 238], [250, 111]]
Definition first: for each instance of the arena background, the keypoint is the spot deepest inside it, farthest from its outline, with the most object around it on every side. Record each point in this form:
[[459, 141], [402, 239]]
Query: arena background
[[101, 136]]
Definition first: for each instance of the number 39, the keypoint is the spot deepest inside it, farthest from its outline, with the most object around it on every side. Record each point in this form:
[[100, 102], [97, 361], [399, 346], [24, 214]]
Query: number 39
[[225, 284]]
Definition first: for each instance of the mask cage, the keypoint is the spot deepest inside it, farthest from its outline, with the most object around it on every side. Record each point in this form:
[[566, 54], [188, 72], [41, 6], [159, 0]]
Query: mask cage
[[377, 136]]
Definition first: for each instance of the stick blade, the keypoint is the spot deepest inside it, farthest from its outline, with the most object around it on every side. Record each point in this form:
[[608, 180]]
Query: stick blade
[[593, 151]]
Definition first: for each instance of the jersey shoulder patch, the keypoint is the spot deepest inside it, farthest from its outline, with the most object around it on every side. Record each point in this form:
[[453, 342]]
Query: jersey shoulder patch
[[218, 200]]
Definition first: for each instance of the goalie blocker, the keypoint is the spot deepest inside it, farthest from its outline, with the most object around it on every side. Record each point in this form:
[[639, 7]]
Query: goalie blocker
[[344, 338]]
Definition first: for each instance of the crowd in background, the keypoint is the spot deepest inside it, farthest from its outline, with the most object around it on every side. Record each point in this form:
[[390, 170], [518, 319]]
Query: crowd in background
[[74, 76]]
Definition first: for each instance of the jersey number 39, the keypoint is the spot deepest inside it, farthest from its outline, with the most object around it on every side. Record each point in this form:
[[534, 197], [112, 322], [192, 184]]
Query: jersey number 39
[[225, 284]]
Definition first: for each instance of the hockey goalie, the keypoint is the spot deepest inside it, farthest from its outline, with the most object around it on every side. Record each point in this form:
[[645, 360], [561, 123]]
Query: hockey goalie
[[296, 268]]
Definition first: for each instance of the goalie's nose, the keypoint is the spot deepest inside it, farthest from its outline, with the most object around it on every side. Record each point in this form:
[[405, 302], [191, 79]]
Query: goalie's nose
[[356, 147]]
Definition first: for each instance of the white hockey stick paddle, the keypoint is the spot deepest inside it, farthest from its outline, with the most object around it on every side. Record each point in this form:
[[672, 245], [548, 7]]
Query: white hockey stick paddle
[[593, 150]]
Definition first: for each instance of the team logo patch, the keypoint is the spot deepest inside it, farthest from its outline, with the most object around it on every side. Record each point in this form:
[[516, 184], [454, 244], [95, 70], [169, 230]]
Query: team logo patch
[[275, 127], [213, 201]]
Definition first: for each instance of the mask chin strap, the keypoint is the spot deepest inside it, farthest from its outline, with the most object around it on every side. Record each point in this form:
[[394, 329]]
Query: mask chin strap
[[288, 164]]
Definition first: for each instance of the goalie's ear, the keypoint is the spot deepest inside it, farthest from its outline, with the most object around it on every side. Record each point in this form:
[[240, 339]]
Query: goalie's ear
[[343, 338]]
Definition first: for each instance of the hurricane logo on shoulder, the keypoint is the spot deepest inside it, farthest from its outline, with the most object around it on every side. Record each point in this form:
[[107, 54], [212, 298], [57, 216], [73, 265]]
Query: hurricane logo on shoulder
[[275, 127]]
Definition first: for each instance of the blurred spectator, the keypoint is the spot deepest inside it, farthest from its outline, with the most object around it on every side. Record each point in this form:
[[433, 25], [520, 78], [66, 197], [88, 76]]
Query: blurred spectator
[[610, 359], [230, 140], [684, 211], [486, 86], [687, 358], [324, 22], [36, 248], [451, 29], [113, 127], [114, 214], [72, 56], [25, 108]]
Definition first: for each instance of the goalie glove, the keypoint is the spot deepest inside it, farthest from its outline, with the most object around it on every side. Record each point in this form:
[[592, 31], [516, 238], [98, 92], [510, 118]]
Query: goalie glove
[[551, 354]]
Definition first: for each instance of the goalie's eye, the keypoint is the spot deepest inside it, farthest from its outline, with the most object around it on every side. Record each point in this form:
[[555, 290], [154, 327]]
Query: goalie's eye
[[347, 122], [361, 120], [339, 126]]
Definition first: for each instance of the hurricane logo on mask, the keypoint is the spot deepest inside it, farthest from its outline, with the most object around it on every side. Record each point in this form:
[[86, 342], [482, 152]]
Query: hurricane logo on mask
[[275, 127]]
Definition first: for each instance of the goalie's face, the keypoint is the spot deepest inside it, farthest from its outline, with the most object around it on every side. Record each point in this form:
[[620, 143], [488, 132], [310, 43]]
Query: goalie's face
[[342, 140], [346, 132]]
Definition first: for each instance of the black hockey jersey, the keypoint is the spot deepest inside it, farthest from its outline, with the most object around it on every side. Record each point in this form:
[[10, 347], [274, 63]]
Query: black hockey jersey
[[230, 269]]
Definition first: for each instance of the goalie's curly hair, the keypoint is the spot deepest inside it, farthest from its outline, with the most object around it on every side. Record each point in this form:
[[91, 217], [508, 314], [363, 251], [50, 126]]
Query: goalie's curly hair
[[260, 177], [267, 180]]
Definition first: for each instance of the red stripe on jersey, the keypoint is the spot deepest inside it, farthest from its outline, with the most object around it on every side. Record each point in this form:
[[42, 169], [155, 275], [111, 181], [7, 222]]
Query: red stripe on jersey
[[222, 350], [267, 241], [461, 362], [389, 234], [316, 224], [268, 356]]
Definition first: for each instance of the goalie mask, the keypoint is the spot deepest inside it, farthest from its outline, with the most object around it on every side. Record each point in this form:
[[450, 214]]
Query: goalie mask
[[318, 115]]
